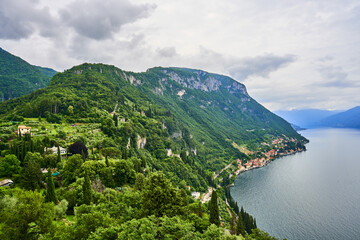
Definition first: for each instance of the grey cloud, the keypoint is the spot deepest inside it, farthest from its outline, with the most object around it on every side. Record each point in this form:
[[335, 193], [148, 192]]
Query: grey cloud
[[20, 19], [259, 66], [167, 52], [94, 19], [334, 76], [101, 19]]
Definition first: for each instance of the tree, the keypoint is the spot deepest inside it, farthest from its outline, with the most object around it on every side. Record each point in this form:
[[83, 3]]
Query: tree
[[106, 177], [124, 173], [240, 229], [50, 160], [50, 188], [116, 120], [58, 154], [110, 152], [214, 209], [70, 110], [32, 176], [87, 189], [72, 168], [160, 197], [257, 234], [9, 165], [78, 148], [144, 228], [140, 181], [25, 215], [61, 209]]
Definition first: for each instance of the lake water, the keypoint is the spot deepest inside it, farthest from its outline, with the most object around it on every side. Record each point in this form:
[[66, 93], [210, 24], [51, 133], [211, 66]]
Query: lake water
[[309, 195]]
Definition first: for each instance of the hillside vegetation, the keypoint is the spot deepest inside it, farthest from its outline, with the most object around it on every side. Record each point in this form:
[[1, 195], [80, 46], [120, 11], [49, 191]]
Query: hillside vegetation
[[138, 146], [18, 77]]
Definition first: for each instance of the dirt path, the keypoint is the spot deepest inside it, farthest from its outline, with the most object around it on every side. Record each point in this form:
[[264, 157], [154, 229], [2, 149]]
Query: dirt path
[[216, 175]]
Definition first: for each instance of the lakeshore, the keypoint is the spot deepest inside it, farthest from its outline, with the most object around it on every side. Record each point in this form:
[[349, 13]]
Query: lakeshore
[[280, 147], [312, 195]]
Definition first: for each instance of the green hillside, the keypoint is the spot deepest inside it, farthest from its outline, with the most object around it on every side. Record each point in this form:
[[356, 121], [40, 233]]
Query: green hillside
[[216, 108], [18, 77], [213, 114], [138, 146]]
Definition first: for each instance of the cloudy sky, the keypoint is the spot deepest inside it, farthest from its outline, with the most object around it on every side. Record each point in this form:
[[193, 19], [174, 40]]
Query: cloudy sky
[[289, 54]]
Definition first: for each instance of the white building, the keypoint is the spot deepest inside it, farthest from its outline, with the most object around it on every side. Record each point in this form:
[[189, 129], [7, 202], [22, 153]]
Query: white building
[[55, 150]]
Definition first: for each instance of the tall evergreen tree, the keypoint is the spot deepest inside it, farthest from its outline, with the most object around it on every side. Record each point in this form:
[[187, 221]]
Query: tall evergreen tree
[[240, 229], [214, 209], [200, 210], [86, 188], [58, 154], [32, 176], [50, 191], [115, 118]]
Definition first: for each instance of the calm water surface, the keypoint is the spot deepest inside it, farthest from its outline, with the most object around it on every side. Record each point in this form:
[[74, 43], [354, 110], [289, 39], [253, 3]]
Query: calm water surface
[[309, 195]]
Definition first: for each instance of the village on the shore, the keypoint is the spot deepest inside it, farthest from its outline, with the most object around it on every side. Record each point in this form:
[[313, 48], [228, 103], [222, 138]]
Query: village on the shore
[[281, 146]]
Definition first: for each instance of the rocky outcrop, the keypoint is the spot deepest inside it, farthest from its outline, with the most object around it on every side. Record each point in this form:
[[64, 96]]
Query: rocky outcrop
[[133, 81], [141, 142], [207, 82]]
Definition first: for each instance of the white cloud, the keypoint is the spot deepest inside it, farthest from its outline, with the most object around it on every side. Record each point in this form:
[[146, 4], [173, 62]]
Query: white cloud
[[291, 54]]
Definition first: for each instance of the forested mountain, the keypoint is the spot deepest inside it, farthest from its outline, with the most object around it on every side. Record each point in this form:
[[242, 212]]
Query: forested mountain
[[212, 114], [18, 77], [347, 119], [138, 146]]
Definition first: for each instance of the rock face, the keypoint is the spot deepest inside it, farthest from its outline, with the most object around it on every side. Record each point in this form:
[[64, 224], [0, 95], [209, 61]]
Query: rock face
[[141, 142], [132, 79], [206, 82]]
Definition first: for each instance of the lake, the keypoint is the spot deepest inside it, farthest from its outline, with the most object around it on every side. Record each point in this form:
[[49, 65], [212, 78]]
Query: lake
[[309, 195]]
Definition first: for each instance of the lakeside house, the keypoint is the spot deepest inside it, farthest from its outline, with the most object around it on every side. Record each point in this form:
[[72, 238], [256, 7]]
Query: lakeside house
[[22, 130], [6, 182]]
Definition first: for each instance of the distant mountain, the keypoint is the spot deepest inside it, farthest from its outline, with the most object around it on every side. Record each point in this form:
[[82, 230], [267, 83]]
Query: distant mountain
[[347, 119], [297, 128], [306, 118], [17, 77]]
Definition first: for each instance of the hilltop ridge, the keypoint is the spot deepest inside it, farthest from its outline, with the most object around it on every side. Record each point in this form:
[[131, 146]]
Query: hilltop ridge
[[17, 77]]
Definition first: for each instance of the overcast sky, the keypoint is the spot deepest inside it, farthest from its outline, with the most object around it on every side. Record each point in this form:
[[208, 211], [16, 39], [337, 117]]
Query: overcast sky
[[289, 54]]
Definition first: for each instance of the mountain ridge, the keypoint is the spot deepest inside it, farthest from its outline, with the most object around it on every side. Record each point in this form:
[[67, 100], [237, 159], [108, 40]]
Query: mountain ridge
[[347, 119], [216, 114], [18, 77]]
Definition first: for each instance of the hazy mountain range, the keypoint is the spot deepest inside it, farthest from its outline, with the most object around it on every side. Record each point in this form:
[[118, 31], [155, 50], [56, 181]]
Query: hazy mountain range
[[313, 118]]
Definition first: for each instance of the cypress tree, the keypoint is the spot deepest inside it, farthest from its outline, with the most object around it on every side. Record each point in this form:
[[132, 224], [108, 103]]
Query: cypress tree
[[200, 210], [32, 175], [214, 209], [50, 191], [86, 188], [240, 229], [58, 154], [106, 161], [115, 118]]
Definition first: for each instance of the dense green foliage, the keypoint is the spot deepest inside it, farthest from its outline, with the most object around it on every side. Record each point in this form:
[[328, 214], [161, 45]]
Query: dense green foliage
[[50, 188], [18, 77], [214, 209], [135, 148]]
